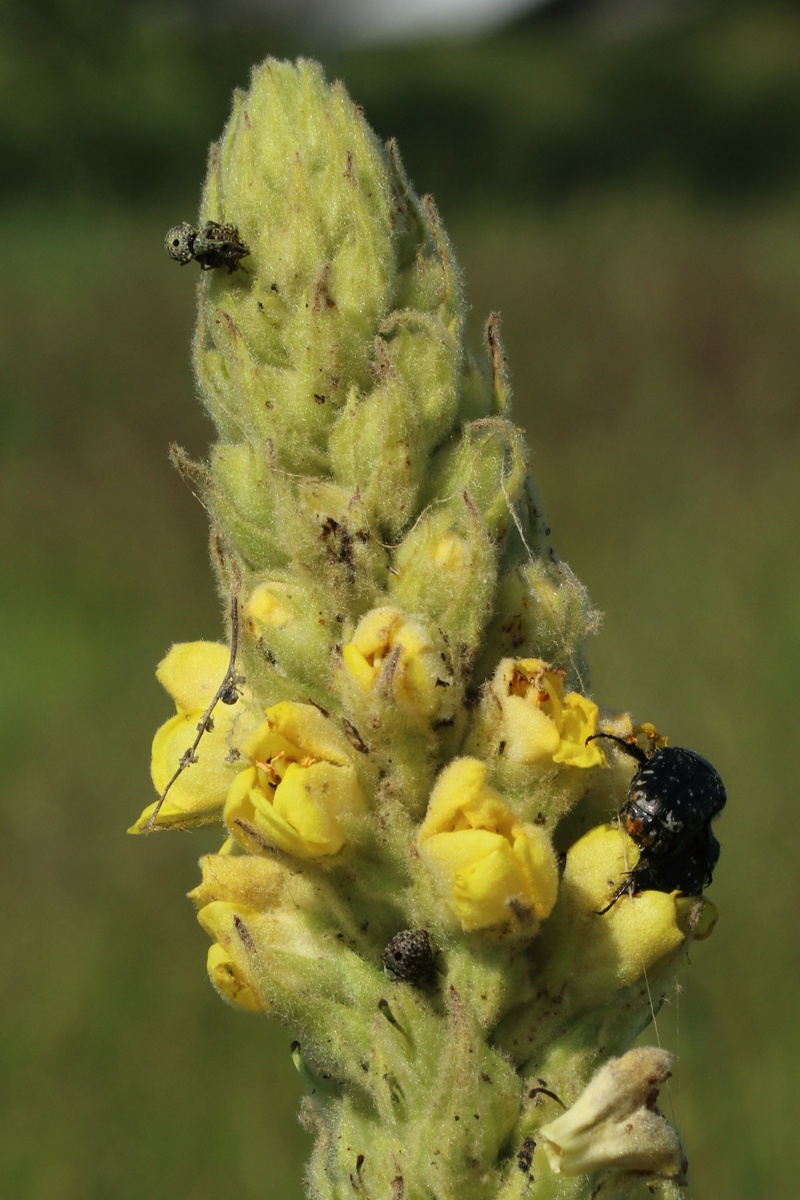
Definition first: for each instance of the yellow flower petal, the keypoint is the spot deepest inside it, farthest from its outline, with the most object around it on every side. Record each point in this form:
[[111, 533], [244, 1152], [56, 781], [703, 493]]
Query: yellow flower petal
[[637, 931], [482, 872], [198, 793], [226, 976], [462, 799], [309, 732], [359, 666], [483, 890], [529, 733], [534, 850], [596, 863], [233, 959], [192, 672], [578, 721]]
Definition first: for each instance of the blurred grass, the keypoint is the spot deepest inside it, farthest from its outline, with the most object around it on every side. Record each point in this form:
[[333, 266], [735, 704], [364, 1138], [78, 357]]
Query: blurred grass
[[651, 322]]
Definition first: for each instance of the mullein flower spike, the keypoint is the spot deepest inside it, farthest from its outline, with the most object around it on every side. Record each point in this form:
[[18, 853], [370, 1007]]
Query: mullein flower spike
[[418, 817]]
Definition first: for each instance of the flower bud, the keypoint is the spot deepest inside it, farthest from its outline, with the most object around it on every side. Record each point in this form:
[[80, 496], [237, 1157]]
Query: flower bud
[[243, 492], [291, 624], [445, 571], [541, 610], [382, 443], [486, 464], [249, 879], [278, 346]]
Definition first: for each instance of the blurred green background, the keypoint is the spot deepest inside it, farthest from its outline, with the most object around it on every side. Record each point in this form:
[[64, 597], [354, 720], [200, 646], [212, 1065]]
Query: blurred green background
[[631, 204]]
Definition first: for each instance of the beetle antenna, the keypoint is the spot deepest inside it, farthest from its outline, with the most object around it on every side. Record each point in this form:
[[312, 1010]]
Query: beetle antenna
[[630, 748]]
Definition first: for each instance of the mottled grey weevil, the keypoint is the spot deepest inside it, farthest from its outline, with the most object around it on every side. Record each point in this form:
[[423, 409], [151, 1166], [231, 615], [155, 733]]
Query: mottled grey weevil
[[214, 245]]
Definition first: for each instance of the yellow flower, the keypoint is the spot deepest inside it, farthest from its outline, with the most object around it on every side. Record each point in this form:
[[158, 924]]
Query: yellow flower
[[491, 865], [191, 673], [539, 723], [636, 932], [300, 791], [391, 652]]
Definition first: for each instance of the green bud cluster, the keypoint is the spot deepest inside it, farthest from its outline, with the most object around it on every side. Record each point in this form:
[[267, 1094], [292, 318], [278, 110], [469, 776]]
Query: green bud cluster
[[356, 430], [398, 752]]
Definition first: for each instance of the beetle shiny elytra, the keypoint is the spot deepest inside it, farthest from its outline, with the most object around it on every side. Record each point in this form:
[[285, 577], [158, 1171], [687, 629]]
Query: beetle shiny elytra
[[214, 245], [671, 802]]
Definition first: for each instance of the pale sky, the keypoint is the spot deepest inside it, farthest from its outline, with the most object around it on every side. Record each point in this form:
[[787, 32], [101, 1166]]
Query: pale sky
[[365, 20]]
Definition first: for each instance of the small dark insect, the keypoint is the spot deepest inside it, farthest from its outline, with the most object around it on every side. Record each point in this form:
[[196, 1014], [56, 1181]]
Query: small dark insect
[[409, 957], [525, 1156], [672, 800], [212, 246]]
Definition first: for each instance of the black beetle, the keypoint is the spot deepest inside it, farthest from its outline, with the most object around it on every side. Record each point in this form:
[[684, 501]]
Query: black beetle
[[687, 870], [672, 800]]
